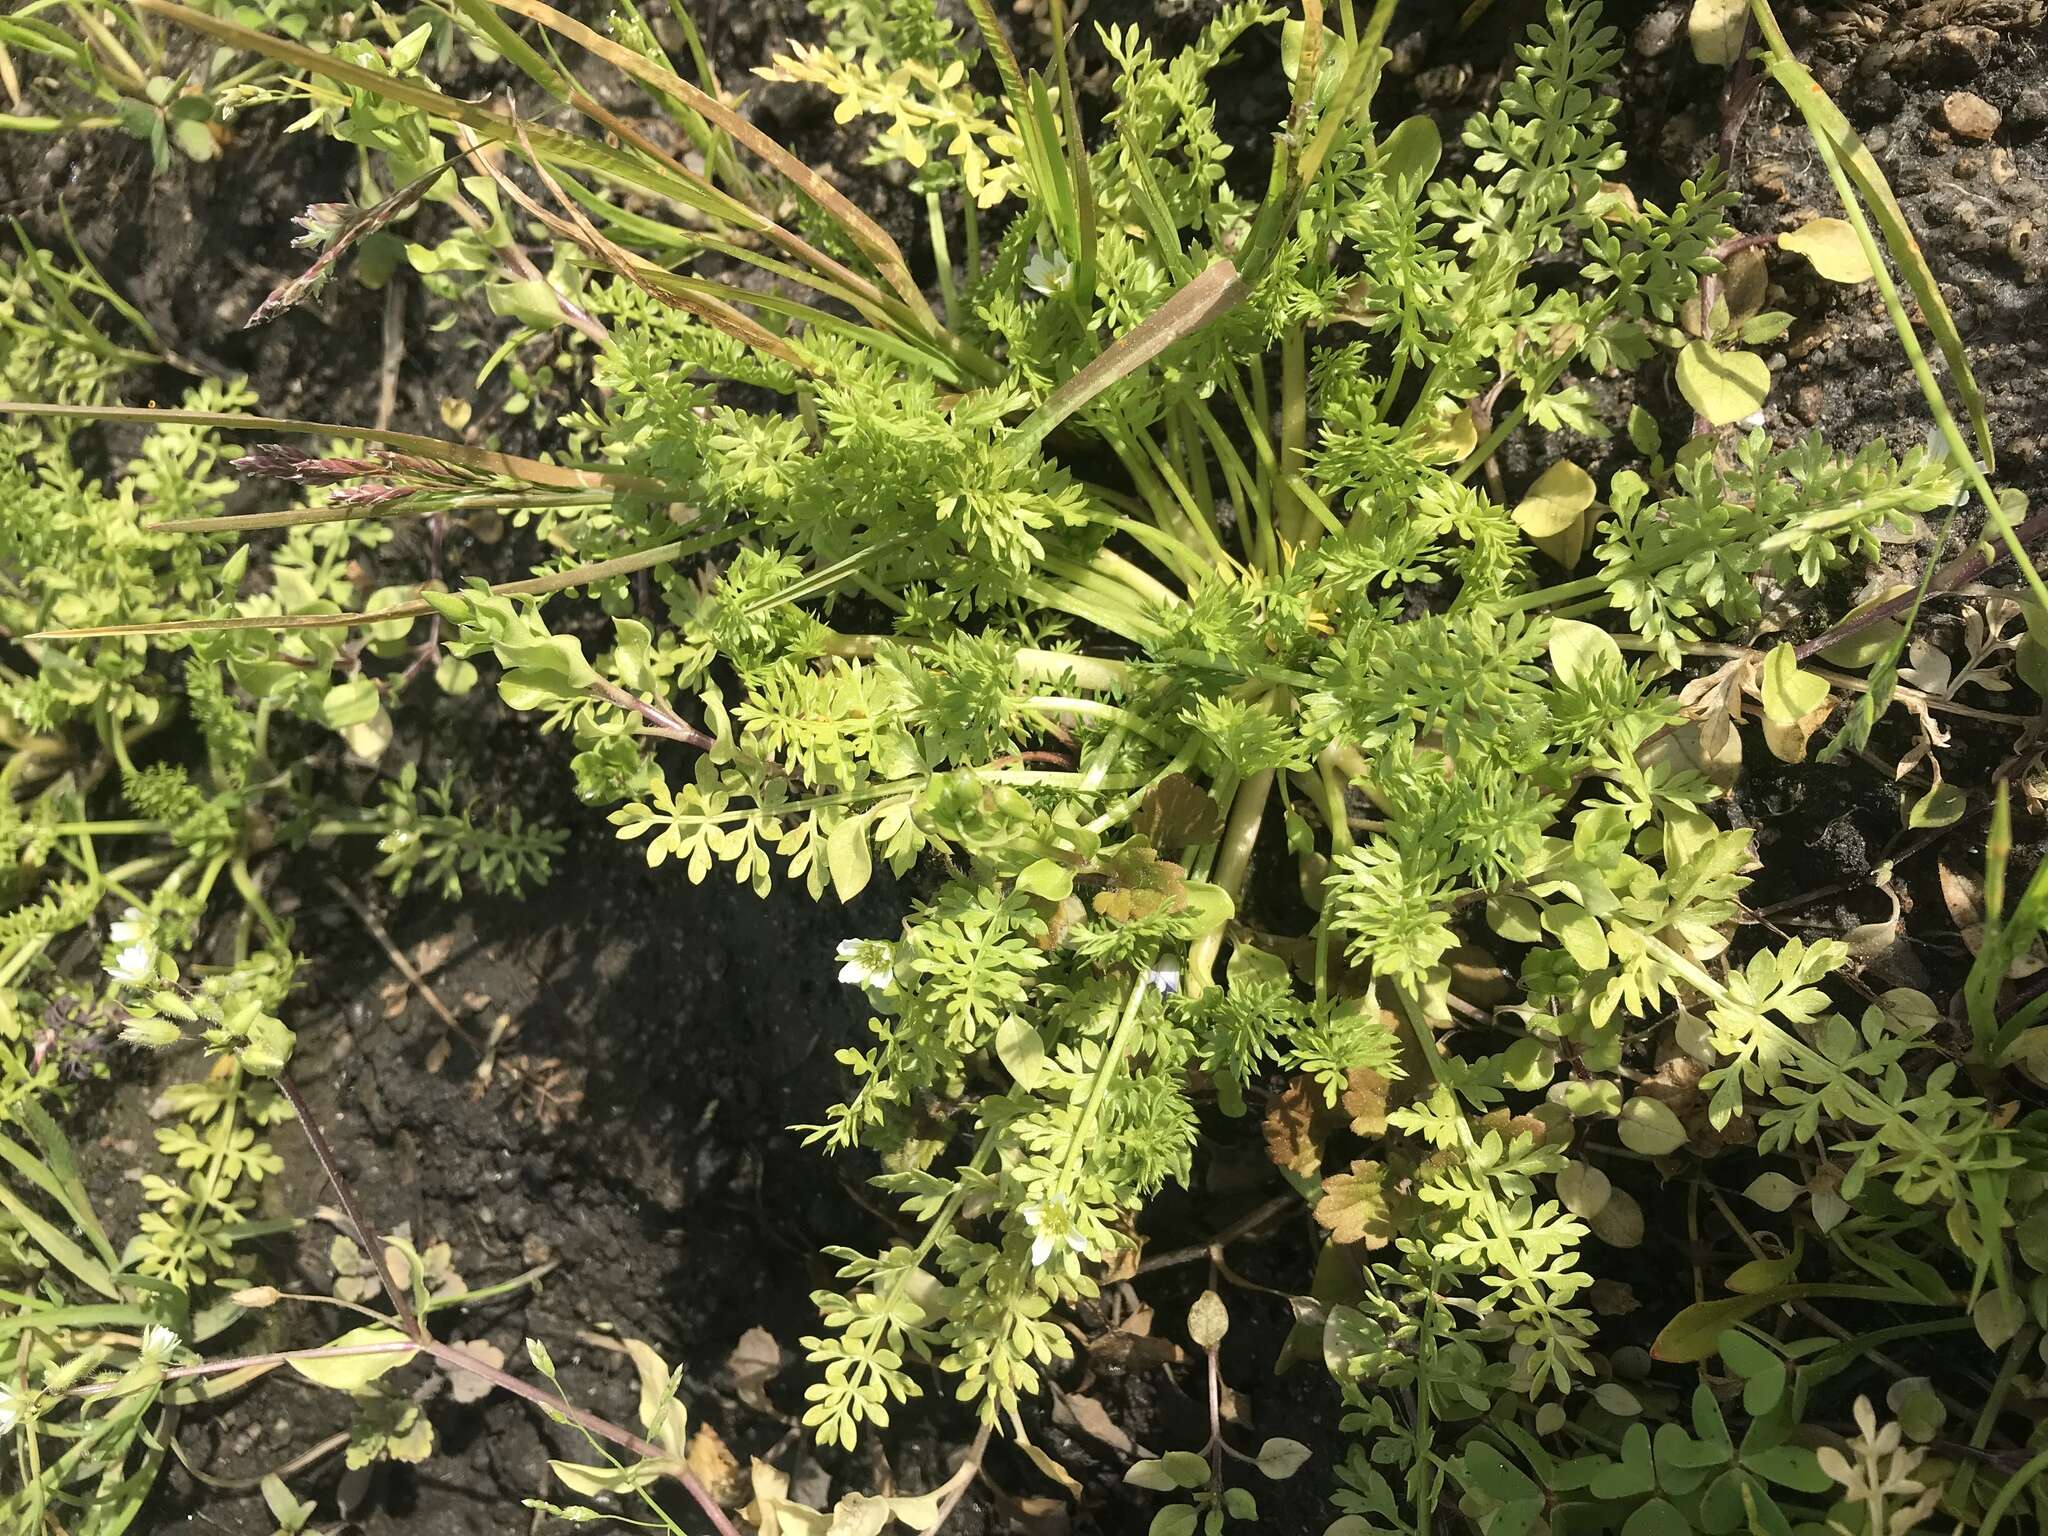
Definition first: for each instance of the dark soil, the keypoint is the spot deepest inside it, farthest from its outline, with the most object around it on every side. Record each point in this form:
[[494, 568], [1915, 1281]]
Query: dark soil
[[699, 1024]]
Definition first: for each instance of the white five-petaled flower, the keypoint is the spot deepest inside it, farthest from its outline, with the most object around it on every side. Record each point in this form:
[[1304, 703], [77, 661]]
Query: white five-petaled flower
[[12, 1410], [1050, 1229], [1047, 274], [134, 965], [132, 928], [868, 963]]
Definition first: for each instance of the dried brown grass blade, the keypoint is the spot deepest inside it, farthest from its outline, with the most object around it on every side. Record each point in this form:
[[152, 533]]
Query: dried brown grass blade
[[864, 231], [513, 466], [1205, 297]]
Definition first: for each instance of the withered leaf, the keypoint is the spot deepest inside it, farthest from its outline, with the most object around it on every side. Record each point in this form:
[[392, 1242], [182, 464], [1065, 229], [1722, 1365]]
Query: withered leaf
[[715, 1466], [1092, 1419], [754, 1362], [1354, 1206], [1178, 812], [1365, 1101], [1296, 1127], [1141, 883]]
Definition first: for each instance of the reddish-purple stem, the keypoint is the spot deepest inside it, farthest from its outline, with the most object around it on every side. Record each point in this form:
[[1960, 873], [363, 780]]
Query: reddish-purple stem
[[1958, 572]]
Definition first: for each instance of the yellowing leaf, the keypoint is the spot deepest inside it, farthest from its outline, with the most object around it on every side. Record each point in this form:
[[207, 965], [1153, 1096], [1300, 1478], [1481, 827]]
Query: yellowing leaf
[[593, 1481], [1208, 1320], [1790, 694], [1583, 1190], [1831, 245], [1722, 386], [1556, 501], [1581, 653], [848, 858], [353, 1372], [661, 1415], [1021, 1051], [1280, 1458], [1773, 1191], [1618, 1223], [1447, 437]]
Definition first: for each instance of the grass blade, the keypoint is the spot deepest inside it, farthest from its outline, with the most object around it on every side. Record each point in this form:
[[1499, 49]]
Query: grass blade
[[554, 581], [863, 231], [1206, 297], [1827, 122]]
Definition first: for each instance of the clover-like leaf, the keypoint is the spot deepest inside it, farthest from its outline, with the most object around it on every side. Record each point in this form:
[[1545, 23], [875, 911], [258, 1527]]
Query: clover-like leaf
[[1723, 386]]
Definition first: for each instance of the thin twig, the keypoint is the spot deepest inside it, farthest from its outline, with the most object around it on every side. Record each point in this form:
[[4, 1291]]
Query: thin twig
[[399, 963], [664, 721], [372, 1245], [603, 1429], [314, 1454], [961, 1481], [394, 352], [1276, 1207], [461, 1359]]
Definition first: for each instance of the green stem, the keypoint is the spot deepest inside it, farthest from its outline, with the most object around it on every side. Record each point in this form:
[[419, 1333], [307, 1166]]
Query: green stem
[[2009, 1494], [942, 259], [1291, 512], [1233, 859], [1098, 673], [1095, 709], [1909, 342]]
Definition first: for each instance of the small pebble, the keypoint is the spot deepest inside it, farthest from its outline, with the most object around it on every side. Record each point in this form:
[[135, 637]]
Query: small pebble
[[1446, 82], [1659, 31], [1969, 116]]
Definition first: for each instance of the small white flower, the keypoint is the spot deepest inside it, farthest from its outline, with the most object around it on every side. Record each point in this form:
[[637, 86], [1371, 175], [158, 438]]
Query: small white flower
[[12, 1410], [867, 963], [133, 928], [1753, 419], [160, 1343], [1051, 1229], [1164, 979], [1047, 274], [134, 965]]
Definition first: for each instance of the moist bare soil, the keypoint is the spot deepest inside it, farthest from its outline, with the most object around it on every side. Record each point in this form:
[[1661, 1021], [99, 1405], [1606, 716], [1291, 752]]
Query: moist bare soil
[[617, 1107]]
